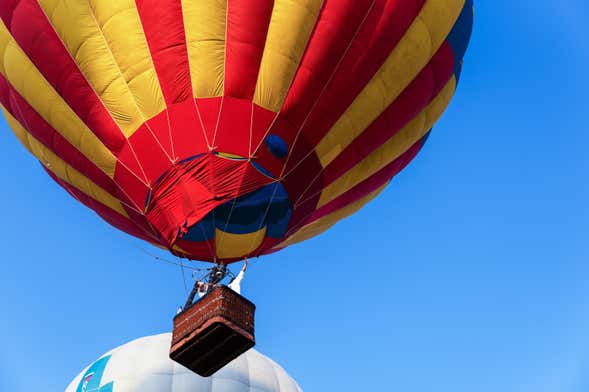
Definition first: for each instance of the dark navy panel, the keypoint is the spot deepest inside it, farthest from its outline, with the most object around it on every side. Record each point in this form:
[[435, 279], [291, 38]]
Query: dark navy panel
[[277, 146], [460, 36]]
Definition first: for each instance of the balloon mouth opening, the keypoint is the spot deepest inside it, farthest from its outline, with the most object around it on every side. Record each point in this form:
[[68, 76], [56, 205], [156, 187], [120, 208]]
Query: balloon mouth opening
[[218, 207]]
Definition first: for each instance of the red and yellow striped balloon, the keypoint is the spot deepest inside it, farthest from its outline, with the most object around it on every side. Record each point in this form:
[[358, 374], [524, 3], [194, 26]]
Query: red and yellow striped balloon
[[223, 129]]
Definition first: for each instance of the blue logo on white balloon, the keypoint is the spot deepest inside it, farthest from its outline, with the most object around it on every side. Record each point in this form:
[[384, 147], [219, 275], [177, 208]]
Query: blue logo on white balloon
[[91, 380]]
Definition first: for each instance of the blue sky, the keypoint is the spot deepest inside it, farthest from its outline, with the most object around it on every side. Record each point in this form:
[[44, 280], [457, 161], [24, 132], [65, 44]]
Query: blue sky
[[470, 273]]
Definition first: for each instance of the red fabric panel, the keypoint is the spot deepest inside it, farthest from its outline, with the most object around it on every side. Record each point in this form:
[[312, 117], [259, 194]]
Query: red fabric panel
[[160, 130], [338, 24], [188, 141], [208, 110], [188, 136], [262, 121], [114, 218], [233, 131], [150, 143], [142, 223], [385, 25], [7, 10], [130, 185], [247, 27], [301, 181], [45, 134], [32, 31], [336, 27], [280, 126], [410, 103], [163, 25], [184, 195], [203, 251], [364, 188]]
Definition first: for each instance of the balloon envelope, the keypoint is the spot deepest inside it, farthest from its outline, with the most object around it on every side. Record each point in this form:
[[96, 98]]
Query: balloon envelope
[[144, 365], [226, 129]]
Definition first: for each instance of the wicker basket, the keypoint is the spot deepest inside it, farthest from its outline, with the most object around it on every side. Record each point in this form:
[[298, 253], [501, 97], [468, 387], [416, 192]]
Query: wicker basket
[[213, 331]]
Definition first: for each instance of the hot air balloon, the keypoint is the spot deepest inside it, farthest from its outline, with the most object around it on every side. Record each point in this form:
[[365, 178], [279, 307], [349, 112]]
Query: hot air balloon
[[228, 129], [143, 365]]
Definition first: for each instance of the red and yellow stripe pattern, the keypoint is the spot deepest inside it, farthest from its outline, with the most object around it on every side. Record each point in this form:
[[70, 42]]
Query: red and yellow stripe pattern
[[155, 113]]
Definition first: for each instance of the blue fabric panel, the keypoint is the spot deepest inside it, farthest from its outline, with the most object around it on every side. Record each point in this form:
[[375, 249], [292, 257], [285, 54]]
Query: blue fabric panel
[[202, 231], [267, 207], [460, 36], [277, 146]]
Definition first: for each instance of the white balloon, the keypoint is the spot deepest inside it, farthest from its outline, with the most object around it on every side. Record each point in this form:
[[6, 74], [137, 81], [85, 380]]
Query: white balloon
[[143, 365]]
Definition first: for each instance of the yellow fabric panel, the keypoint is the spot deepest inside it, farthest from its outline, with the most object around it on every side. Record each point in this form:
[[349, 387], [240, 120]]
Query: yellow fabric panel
[[290, 28], [320, 225], [107, 42], [230, 245], [60, 168], [32, 86], [422, 40], [392, 148], [204, 23]]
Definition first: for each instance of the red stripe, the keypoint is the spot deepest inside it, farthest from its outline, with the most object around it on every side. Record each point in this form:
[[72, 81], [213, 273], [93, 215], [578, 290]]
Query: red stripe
[[112, 217], [233, 129], [384, 27], [361, 190], [202, 251], [163, 25], [30, 28], [44, 133], [369, 38], [410, 103], [338, 24], [247, 28], [356, 193], [336, 27]]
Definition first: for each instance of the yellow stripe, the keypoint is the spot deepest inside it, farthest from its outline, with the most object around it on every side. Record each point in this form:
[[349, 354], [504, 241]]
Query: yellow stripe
[[32, 86], [290, 28], [230, 245], [60, 168], [204, 23], [322, 224], [393, 148], [423, 39], [108, 44]]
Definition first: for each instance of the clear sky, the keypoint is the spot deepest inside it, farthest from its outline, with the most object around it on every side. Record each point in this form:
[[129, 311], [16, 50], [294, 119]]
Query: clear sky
[[470, 273]]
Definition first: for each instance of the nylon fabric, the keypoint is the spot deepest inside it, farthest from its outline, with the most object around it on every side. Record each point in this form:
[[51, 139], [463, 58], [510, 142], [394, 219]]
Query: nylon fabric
[[247, 28], [230, 245], [106, 40], [409, 57], [34, 34], [414, 99], [186, 194], [365, 187], [393, 148], [290, 28], [220, 129], [24, 77], [144, 365], [163, 24], [18, 108], [205, 25]]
